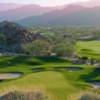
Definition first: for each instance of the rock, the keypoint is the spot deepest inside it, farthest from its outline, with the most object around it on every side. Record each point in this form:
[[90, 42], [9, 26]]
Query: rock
[[15, 36]]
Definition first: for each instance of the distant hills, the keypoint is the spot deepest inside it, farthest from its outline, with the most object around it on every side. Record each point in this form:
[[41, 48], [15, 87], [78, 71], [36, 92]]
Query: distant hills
[[23, 12], [76, 16], [86, 16], [9, 6], [81, 13]]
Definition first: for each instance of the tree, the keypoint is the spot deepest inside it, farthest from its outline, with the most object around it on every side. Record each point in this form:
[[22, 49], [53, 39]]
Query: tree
[[64, 49], [37, 48], [2, 38]]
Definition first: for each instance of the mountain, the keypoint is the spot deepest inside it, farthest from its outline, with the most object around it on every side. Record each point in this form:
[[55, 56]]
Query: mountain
[[13, 36], [24, 11], [9, 6], [86, 16], [70, 14], [76, 16], [48, 17]]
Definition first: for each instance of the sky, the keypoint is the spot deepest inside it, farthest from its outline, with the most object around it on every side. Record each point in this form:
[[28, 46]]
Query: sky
[[42, 2]]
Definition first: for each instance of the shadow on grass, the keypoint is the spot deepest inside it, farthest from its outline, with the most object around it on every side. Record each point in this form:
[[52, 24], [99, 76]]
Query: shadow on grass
[[91, 76], [41, 69], [52, 59], [70, 68], [29, 61], [19, 60], [59, 69]]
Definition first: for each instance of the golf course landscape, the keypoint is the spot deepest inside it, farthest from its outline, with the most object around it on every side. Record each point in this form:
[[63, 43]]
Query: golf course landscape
[[49, 49], [56, 77]]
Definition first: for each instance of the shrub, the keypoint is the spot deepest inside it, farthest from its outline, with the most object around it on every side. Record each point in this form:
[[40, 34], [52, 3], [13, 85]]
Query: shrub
[[24, 96], [90, 97]]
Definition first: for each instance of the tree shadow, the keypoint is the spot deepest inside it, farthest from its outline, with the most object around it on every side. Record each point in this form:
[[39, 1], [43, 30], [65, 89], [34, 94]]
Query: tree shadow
[[91, 76], [69, 68], [19, 60], [52, 59], [40, 69]]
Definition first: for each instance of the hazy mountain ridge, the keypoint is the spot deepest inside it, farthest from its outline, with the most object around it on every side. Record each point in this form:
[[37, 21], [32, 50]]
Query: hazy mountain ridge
[[5, 7], [72, 14], [87, 16], [23, 12], [80, 16]]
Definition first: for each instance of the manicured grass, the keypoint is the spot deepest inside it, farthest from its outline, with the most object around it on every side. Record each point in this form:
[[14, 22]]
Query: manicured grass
[[89, 48], [56, 82]]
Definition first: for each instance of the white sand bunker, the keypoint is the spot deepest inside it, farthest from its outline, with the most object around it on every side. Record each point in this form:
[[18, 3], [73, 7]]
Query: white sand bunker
[[6, 76]]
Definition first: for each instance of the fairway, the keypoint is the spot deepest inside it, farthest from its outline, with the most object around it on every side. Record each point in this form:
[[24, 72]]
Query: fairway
[[50, 82], [89, 48], [54, 80]]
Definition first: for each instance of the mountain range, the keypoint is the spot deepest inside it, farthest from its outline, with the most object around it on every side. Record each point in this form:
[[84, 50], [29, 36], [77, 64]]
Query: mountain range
[[9, 6], [23, 11], [76, 15], [81, 13], [47, 18]]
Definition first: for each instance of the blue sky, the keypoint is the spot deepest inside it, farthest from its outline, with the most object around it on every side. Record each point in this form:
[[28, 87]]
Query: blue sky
[[42, 2]]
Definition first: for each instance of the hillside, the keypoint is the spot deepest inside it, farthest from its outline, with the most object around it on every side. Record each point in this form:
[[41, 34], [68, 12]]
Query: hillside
[[9, 6], [13, 36], [80, 16], [88, 16], [47, 18], [23, 12]]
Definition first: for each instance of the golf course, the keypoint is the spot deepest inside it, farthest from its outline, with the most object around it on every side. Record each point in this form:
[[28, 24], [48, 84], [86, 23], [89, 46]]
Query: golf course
[[58, 78]]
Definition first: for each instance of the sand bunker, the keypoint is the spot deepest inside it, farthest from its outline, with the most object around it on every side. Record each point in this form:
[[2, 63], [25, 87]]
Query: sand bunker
[[6, 76]]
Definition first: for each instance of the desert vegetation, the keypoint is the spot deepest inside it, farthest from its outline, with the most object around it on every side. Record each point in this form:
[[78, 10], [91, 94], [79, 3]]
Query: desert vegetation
[[24, 96]]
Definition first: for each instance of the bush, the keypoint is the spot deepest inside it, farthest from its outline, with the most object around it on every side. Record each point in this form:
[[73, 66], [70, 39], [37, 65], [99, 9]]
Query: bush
[[90, 97], [24, 96]]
